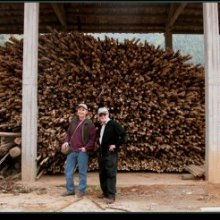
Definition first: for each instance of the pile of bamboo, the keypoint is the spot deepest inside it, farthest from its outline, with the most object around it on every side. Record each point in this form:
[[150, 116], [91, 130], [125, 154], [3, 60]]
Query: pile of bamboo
[[156, 94]]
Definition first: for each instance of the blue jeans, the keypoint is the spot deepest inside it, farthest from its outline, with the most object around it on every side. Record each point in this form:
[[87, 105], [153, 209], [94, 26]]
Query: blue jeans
[[74, 158]]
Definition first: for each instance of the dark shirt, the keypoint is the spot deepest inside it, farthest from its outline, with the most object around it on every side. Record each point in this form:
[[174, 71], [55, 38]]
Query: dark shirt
[[114, 133], [75, 140]]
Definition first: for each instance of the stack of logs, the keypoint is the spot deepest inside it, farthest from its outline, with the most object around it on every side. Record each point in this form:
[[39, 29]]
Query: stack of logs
[[10, 154], [156, 94]]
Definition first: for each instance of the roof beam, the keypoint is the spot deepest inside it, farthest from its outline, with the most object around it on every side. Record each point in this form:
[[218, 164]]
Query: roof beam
[[60, 13], [174, 14], [171, 12]]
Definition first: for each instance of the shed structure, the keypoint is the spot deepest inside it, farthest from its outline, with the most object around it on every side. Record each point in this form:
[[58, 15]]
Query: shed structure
[[114, 17]]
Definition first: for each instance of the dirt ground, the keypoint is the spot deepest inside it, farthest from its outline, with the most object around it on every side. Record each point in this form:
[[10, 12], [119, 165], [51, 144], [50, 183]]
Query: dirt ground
[[136, 192]]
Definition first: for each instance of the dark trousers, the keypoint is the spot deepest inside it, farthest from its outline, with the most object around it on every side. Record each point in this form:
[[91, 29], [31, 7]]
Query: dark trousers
[[108, 164]]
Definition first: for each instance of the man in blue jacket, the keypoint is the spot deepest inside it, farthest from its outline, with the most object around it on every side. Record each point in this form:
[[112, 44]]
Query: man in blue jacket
[[111, 135]]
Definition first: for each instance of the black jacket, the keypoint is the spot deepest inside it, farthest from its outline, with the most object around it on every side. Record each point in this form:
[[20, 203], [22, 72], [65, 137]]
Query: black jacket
[[114, 133]]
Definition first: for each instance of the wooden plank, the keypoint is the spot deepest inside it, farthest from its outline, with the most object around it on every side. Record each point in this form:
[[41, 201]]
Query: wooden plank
[[195, 170]]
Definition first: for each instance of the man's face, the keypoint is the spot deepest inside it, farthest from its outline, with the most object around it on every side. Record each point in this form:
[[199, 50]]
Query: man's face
[[103, 117], [81, 112]]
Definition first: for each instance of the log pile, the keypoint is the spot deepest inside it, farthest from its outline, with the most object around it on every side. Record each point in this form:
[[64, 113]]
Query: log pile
[[10, 154], [156, 94]]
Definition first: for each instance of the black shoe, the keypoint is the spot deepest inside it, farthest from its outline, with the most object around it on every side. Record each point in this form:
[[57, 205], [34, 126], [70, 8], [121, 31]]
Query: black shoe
[[110, 200], [102, 196], [68, 194], [80, 194]]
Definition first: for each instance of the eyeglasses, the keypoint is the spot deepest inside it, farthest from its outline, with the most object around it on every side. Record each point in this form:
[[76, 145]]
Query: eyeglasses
[[102, 114]]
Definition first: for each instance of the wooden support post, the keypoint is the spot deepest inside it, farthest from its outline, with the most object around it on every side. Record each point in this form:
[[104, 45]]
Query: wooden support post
[[212, 88], [29, 91], [168, 40]]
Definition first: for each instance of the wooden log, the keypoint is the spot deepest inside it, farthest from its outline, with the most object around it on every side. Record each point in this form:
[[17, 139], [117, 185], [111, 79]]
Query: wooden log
[[40, 174], [15, 176], [4, 148], [15, 152], [3, 158], [10, 134], [17, 140]]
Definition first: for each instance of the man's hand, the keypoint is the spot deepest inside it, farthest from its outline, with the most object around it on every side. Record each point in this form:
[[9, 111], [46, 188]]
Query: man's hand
[[65, 145], [112, 147], [83, 149]]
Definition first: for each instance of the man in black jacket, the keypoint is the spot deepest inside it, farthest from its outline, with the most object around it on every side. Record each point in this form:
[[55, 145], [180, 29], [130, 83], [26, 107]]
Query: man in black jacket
[[111, 136]]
